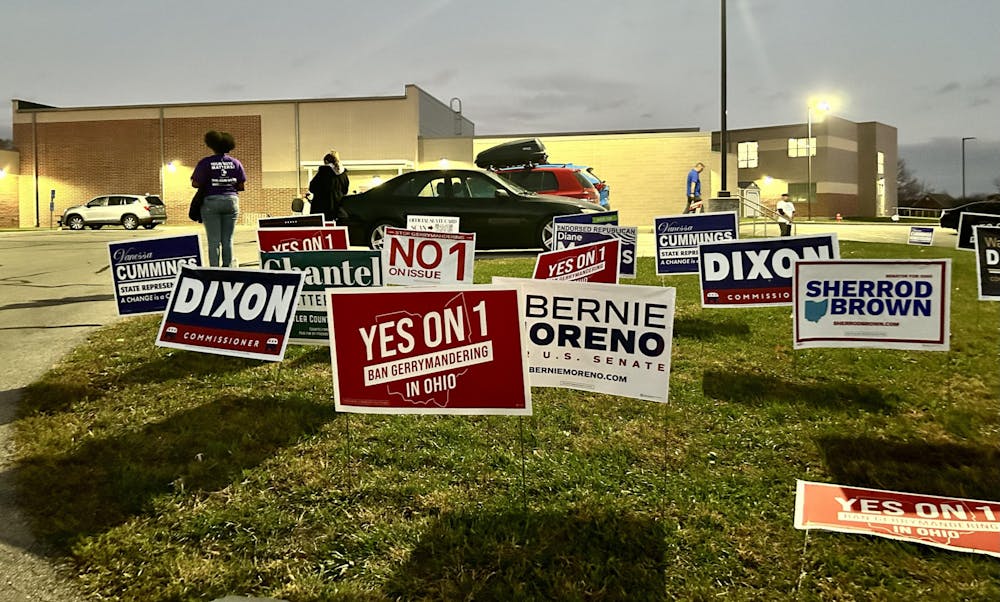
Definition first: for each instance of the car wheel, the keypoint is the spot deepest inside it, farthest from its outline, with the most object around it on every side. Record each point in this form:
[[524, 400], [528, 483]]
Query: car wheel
[[95, 226], [149, 226], [130, 222], [545, 234], [377, 234], [75, 222]]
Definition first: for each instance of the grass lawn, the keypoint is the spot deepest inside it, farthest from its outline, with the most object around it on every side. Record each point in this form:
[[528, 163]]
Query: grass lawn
[[159, 474]]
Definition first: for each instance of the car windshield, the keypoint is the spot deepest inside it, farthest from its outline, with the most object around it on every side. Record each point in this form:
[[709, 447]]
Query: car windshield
[[517, 188]]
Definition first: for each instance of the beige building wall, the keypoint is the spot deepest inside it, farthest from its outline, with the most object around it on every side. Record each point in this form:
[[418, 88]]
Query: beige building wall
[[10, 163], [457, 152], [647, 172]]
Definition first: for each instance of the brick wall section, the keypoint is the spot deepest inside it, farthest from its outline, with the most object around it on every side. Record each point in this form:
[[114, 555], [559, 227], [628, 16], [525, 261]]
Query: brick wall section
[[184, 143], [84, 159], [81, 160], [8, 201]]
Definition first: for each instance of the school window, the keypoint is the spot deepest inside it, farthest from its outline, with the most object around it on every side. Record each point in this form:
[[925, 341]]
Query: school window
[[802, 147], [746, 155], [881, 163]]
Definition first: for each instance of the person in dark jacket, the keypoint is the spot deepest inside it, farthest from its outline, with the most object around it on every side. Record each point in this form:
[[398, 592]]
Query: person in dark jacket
[[329, 186]]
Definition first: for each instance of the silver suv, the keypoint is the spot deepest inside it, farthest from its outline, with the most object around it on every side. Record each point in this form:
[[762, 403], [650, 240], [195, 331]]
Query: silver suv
[[128, 210]]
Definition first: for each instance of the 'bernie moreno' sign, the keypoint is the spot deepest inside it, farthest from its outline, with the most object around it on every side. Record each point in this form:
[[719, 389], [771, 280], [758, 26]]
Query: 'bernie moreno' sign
[[896, 304]]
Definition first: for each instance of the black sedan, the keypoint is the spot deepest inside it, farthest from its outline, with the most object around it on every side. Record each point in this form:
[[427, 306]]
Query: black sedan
[[502, 214], [949, 217]]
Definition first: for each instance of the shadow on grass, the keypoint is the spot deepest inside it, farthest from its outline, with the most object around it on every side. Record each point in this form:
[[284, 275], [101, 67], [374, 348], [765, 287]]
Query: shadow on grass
[[949, 469], [539, 556], [182, 364], [52, 397], [697, 328], [745, 387], [105, 482]]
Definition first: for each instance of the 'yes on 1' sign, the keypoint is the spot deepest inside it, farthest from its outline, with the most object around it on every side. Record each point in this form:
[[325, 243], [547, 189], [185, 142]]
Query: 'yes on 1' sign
[[422, 257], [440, 350], [326, 238]]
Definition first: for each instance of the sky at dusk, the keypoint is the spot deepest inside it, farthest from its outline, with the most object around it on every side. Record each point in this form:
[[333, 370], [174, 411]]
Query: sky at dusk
[[929, 68]]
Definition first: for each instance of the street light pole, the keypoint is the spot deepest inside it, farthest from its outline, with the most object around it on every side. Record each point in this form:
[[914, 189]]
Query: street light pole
[[963, 163]]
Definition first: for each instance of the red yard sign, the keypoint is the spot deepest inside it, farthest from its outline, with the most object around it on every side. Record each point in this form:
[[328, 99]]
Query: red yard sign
[[446, 350], [596, 262], [946, 522], [288, 240]]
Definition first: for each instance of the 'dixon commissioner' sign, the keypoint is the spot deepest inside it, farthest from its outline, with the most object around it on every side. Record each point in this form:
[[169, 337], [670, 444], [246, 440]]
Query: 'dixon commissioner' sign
[[433, 350], [322, 270], [144, 270], [237, 312], [757, 272]]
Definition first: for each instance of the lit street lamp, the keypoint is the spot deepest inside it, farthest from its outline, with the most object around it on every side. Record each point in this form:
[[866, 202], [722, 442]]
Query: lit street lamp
[[823, 106], [963, 163]]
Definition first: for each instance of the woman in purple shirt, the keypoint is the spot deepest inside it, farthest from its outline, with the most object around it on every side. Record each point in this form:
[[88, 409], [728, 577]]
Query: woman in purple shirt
[[219, 178]]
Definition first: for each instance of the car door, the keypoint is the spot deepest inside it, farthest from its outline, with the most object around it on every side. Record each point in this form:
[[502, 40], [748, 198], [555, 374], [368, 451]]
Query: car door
[[485, 207], [96, 211], [117, 207]]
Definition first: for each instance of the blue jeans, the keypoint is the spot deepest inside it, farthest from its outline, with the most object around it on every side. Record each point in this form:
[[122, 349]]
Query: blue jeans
[[219, 213]]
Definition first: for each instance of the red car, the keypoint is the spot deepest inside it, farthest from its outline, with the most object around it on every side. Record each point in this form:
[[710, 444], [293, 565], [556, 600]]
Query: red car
[[559, 181]]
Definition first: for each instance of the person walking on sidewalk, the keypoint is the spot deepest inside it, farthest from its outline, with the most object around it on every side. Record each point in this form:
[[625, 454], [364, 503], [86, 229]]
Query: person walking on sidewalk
[[693, 188], [786, 214]]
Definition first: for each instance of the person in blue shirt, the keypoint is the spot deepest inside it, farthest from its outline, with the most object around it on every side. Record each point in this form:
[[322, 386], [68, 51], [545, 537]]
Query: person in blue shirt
[[693, 188]]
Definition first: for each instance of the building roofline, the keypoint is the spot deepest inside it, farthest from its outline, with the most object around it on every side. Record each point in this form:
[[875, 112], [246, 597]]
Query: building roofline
[[26, 106], [592, 133]]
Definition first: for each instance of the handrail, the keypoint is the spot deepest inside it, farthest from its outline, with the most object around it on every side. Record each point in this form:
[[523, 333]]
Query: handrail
[[760, 213]]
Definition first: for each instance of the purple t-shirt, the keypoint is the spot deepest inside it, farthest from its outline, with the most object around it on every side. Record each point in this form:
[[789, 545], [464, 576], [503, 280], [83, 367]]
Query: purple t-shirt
[[219, 174]]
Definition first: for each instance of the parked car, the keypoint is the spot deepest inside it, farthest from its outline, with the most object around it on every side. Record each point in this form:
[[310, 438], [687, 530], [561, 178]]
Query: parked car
[[502, 214], [588, 172], [949, 217], [127, 210], [555, 180]]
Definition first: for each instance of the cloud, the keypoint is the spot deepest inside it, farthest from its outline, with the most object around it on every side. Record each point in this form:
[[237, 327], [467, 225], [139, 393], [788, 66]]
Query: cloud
[[979, 101], [949, 87]]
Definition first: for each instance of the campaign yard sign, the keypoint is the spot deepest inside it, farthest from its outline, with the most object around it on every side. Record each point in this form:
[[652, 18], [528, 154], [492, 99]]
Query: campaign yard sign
[[322, 270], [678, 237], [574, 235], [313, 238], [988, 261], [309, 220], [921, 235], [966, 222], [427, 257], [604, 338], [596, 262], [598, 218], [433, 223], [757, 272], [961, 525], [226, 311], [889, 304], [440, 350], [144, 271]]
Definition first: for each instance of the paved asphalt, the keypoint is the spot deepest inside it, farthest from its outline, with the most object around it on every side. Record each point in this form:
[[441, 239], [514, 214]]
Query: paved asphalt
[[56, 289]]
